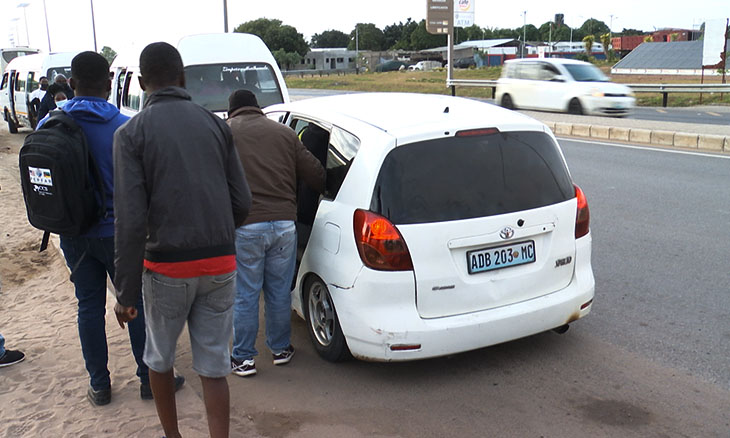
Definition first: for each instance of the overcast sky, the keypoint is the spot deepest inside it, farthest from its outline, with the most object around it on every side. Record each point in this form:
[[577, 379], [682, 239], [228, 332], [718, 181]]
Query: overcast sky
[[125, 24]]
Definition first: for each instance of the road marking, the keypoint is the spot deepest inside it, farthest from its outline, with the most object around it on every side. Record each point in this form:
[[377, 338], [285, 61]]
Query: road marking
[[713, 114], [645, 148], [661, 111]]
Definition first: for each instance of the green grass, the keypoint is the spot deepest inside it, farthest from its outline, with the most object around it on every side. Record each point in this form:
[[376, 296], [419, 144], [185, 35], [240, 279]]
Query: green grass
[[434, 82]]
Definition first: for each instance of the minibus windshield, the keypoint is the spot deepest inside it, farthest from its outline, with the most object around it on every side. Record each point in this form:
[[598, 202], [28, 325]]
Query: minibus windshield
[[210, 85]]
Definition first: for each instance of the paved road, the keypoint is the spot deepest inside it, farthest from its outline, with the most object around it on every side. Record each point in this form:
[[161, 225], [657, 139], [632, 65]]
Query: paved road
[[650, 361]]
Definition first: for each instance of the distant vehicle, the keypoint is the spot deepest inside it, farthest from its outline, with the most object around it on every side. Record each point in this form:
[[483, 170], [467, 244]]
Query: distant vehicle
[[565, 85], [215, 66], [392, 65], [21, 78], [7, 55], [425, 65], [446, 225]]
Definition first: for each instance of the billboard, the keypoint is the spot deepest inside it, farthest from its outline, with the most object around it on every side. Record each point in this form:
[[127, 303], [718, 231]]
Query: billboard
[[714, 42]]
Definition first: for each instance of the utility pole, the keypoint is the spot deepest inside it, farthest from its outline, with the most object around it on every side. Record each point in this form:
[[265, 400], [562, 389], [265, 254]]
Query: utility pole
[[357, 49], [524, 32], [225, 16], [48, 34], [93, 24]]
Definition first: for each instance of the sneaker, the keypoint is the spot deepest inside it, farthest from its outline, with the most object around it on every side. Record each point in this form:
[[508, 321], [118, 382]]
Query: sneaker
[[145, 390], [243, 368], [284, 357], [101, 397], [11, 357]]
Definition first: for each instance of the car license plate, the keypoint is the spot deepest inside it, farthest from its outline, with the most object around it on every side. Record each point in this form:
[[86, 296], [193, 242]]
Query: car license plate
[[489, 259]]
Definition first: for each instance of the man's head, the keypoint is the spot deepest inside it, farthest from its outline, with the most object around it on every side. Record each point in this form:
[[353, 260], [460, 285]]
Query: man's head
[[90, 75], [43, 82], [60, 79], [161, 66], [241, 98]]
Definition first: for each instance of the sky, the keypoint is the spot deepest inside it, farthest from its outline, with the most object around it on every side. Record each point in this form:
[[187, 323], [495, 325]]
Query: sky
[[129, 25]]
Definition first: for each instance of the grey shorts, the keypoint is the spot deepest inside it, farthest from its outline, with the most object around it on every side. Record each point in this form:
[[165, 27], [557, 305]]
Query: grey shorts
[[206, 304]]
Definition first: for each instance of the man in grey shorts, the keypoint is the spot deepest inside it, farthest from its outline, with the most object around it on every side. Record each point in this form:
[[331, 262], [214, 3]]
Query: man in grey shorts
[[181, 194]]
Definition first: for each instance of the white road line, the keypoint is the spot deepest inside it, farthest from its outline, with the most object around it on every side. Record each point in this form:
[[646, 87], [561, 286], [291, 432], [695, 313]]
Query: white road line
[[645, 148], [713, 114]]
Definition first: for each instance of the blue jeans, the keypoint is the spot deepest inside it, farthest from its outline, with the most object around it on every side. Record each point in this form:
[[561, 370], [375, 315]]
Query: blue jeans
[[265, 259], [91, 259], [2, 345]]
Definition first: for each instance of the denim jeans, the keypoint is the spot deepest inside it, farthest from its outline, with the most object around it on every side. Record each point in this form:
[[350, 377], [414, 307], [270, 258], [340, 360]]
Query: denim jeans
[[265, 258], [2, 345], [91, 259]]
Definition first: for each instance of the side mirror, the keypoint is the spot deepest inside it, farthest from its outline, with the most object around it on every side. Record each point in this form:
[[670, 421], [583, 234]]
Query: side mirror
[[558, 78]]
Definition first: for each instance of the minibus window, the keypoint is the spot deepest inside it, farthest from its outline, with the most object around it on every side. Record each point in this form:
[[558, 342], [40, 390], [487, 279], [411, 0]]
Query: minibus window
[[210, 85]]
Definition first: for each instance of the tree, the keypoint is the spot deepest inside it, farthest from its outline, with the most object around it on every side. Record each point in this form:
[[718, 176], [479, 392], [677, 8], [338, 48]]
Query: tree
[[275, 35], [398, 35], [329, 39], [108, 53], [286, 60], [421, 39], [606, 41], [594, 27], [588, 43], [648, 39], [471, 33], [530, 32], [370, 37], [630, 32]]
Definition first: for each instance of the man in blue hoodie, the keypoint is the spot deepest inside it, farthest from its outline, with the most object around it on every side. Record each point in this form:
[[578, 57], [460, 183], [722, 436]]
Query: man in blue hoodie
[[91, 256]]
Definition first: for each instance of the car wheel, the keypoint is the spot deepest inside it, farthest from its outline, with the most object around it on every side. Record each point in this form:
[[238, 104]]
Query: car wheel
[[322, 322], [507, 102], [12, 127], [574, 107]]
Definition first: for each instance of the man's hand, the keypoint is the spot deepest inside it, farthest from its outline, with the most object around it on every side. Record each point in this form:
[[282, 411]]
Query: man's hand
[[124, 314]]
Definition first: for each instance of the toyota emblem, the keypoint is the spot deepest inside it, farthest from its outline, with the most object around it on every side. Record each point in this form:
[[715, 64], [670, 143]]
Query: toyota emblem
[[507, 233]]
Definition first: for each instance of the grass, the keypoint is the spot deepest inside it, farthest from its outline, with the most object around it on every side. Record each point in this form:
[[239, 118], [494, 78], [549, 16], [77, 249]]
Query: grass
[[434, 82]]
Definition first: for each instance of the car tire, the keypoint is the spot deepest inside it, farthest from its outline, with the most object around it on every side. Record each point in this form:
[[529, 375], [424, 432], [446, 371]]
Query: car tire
[[574, 107], [12, 127], [322, 322], [506, 102]]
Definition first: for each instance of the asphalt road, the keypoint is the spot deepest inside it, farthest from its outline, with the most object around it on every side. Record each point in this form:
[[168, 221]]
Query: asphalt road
[[649, 361]]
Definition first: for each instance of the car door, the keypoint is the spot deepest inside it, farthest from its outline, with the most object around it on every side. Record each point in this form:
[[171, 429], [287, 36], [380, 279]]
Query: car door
[[552, 87]]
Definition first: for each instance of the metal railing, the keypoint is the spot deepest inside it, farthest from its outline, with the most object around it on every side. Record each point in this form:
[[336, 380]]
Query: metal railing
[[663, 89]]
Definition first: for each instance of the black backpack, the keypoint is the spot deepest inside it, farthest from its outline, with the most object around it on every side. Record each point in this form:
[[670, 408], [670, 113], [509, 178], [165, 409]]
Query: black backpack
[[61, 182]]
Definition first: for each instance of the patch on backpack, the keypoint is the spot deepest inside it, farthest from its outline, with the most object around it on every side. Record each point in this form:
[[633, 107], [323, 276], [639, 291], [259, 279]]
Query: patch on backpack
[[39, 175]]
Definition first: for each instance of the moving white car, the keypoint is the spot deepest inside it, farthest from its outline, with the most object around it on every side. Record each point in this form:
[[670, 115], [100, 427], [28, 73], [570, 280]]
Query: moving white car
[[447, 225], [215, 66], [558, 84]]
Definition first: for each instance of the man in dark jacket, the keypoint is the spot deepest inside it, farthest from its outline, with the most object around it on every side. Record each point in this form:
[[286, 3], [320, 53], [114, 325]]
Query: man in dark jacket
[[266, 245], [91, 256], [48, 103], [184, 195]]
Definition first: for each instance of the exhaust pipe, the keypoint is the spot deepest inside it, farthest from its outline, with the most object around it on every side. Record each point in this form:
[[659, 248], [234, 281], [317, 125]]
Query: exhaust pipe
[[562, 329]]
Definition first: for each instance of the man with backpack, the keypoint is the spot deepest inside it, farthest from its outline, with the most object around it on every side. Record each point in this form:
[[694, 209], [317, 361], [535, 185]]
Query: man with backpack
[[90, 255]]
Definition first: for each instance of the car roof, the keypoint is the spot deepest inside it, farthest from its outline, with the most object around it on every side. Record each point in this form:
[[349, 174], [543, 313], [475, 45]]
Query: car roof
[[549, 60], [401, 114], [215, 48]]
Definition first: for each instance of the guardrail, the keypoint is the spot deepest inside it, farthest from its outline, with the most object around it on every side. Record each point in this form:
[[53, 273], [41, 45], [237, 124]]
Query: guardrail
[[663, 89], [335, 71]]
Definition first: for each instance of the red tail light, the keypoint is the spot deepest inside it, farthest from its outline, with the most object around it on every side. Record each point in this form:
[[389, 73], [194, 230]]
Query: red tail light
[[583, 216], [380, 244]]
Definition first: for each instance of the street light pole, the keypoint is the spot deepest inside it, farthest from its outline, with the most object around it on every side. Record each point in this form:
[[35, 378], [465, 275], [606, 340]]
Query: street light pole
[[225, 16], [93, 24], [524, 32], [48, 34], [25, 22]]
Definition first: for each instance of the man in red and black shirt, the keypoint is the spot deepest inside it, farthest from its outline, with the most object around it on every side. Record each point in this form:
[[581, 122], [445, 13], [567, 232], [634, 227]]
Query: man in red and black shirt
[[181, 193]]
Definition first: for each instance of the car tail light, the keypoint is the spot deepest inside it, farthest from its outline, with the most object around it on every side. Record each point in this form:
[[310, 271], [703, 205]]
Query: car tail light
[[379, 243], [583, 216], [477, 132]]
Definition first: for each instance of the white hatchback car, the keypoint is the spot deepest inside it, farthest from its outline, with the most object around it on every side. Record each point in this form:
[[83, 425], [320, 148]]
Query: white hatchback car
[[557, 84], [447, 225]]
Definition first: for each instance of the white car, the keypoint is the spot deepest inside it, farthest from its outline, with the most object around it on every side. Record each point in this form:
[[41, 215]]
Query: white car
[[447, 225], [557, 84]]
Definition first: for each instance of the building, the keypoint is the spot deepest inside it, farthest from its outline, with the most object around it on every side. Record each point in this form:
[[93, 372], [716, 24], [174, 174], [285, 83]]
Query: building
[[671, 58], [328, 59]]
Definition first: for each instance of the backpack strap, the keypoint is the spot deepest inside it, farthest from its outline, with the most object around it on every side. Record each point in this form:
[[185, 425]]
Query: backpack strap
[[44, 241]]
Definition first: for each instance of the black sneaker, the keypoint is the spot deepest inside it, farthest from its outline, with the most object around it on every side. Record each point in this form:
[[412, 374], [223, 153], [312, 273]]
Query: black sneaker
[[101, 397], [11, 357], [145, 390], [243, 368], [284, 357]]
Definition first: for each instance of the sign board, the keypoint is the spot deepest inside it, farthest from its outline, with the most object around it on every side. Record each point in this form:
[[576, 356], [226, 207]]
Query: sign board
[[714, 42], [463, 13], [439, 16]]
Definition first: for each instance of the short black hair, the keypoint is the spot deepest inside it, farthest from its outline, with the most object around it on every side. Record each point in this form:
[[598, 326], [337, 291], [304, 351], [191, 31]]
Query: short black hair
[[53, 89], [41, 78], [90, 71], [241, 98], [160, 64]]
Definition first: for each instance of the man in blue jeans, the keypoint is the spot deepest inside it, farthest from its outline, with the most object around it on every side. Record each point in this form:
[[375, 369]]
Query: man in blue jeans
[[9, 357], [274, 159], [91, 256]]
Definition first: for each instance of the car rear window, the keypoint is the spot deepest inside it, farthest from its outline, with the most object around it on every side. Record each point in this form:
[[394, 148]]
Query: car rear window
[[457, 178]]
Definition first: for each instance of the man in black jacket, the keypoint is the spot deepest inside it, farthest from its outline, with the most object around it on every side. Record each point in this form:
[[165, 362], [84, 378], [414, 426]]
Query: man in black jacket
[[184, 193]]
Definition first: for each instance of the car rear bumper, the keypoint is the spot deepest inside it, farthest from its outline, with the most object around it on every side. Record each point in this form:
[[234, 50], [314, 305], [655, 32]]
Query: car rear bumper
[[379, 314]]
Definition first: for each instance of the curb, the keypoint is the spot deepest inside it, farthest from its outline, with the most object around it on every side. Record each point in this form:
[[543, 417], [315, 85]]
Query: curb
[[684, 140]]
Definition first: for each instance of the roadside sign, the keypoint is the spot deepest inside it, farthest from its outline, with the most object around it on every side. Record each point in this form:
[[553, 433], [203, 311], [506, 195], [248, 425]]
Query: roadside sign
[[463, 13], [439, 16]]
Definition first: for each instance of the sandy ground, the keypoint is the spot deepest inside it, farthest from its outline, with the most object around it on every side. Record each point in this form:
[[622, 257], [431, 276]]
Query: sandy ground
[[46, 394]]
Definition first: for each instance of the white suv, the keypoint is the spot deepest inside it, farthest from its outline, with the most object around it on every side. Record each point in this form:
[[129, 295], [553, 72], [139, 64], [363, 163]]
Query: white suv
[[557, 84], [447, 225]]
